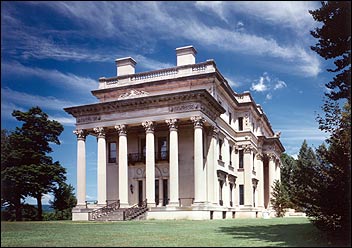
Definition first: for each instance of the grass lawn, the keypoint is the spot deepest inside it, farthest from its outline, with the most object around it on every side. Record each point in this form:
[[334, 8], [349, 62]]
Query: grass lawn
[[232, 232]]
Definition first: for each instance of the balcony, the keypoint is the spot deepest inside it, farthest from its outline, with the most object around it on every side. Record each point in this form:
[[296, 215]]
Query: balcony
[[140, 157]]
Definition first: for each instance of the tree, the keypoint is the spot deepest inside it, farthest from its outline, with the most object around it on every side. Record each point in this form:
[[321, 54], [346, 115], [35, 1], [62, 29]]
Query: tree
[[14, 177], [287, 168], [334, 37], [305, 181], [280, 199], [335, 43], [26, 169], [64, 200]]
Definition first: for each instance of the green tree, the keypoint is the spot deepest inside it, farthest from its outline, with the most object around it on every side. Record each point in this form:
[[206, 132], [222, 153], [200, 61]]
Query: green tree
[[335, 43], [305, 183], [64, 200], [335, 171], [26, 169], [287, 168], [14, 177], [280, 199]]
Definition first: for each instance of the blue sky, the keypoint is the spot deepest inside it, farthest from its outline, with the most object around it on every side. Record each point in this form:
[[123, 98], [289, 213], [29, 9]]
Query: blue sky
[[52, 54]]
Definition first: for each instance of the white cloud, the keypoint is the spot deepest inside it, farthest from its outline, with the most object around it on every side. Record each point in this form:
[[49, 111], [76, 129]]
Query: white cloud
[[64, 80], [148, 20], [279, 85], [260, 86], [268, 96], [289, 14], [27, 100], [66, 121]]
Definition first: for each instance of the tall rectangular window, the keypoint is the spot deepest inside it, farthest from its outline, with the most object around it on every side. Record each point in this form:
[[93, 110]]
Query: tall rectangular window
[[162, 149], [241, 191], [240, 123], [240, 159], [220, 146], [230, 117], [112, 152], [230, 151], [142, 149]]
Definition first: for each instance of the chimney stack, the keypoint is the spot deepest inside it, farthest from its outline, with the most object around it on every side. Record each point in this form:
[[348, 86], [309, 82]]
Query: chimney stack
[[186, 55], [125, 66]]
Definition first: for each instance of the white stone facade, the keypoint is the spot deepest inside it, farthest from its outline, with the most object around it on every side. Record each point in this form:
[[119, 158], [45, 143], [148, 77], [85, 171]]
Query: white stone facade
[[179, 138]]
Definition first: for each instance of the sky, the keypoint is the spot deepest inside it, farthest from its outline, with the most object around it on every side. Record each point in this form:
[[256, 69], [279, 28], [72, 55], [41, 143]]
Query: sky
[[53, 53]]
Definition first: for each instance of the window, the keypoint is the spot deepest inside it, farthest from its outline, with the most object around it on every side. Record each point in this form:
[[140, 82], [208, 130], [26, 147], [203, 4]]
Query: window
[[253, 196], [241, 191], [240, 123], [231, 187], [240, 159], [143, 148], [230, 150], [112, 152], [253, 162], [162, 148], [220, 146], [230, 117], [221, 183]]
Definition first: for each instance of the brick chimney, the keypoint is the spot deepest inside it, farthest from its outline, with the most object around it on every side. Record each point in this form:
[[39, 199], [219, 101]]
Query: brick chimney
[[125, 66], [186, 55]]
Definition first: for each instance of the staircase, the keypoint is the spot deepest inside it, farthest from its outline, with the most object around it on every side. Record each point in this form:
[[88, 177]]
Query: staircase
[[113, 212]]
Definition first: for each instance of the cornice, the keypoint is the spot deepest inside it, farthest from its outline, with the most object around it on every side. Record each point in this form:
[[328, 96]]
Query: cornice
[[177, 102]]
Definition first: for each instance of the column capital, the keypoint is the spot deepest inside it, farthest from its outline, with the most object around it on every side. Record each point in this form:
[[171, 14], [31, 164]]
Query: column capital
[[81, 134], [247, 148], [100, 131], [122, 129], [214, 131], [148, 126], [172, 123], [198, 121], [260, 156], [271, 156]]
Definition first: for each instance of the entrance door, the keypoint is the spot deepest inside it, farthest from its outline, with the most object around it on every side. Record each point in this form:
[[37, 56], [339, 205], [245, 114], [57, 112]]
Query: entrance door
[[140, 192], [165, 192]]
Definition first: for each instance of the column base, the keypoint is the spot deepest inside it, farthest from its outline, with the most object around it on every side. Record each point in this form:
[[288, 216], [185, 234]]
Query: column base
[[124, 205], [173, 204], [151, 205]]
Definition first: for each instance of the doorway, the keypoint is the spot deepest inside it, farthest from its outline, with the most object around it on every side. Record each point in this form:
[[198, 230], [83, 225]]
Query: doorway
[[165, 192], [140, 192]]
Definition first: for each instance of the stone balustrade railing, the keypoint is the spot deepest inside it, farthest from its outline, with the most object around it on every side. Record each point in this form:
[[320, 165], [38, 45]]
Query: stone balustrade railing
[[168, 73]]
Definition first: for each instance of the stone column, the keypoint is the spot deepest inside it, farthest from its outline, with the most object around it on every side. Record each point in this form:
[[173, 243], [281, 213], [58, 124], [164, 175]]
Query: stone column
[[101, 179], [260, 174], [199, 170], [271, 174], [278, 171], [81, 166], [123, 166], [150, 163], [212, 178], [173, 162], [248, 166]]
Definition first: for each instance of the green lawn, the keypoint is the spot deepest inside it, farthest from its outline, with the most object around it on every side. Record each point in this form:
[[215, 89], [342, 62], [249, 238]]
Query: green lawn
[[232, 232]]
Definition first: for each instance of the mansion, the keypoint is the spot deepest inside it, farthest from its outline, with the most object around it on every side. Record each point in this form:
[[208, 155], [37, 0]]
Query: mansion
[[178, 142]]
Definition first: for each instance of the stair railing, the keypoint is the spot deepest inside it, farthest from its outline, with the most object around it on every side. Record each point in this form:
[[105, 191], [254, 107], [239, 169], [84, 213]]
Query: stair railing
[[95, 214], [135, 210]]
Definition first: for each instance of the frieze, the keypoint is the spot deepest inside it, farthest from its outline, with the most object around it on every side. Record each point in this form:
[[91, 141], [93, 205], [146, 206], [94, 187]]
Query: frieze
[[185, 107], [87, 119], [133, 93]]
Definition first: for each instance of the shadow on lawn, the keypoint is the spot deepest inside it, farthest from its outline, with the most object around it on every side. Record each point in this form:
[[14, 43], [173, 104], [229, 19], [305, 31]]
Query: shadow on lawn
[[305, 235]]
